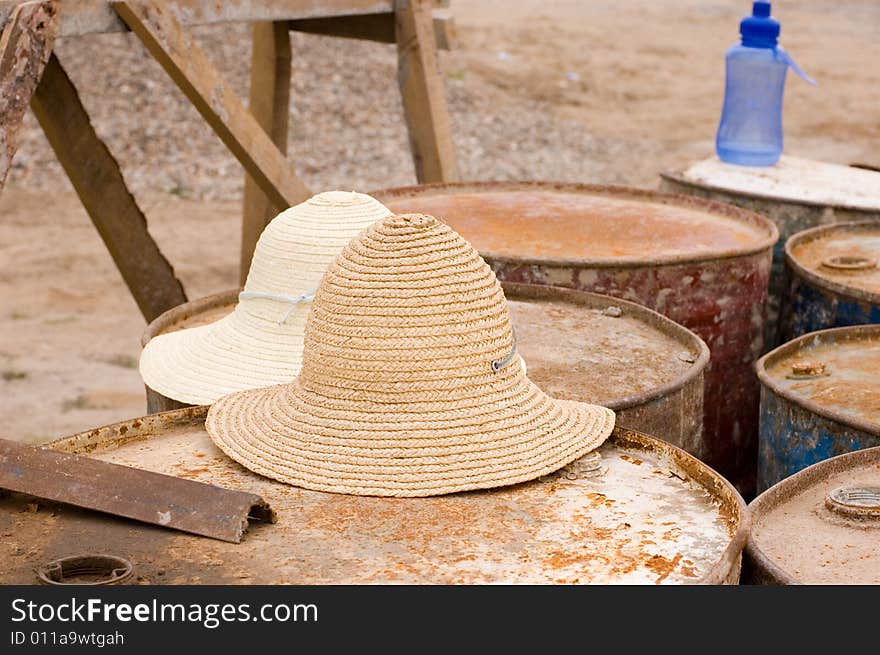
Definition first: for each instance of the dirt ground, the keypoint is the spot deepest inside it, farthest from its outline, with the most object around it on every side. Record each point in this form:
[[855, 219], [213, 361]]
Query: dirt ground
[[571, 90]]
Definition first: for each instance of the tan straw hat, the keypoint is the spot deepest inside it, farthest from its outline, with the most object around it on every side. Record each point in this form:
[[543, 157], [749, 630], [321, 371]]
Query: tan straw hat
[[260, 343], [410, 384]]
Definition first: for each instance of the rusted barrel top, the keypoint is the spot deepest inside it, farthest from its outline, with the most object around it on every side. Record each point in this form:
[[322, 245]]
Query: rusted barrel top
[[792, 180], [833, 373], [639, 511], [575, 224], [844, 258], [821, 525], [577, 345]]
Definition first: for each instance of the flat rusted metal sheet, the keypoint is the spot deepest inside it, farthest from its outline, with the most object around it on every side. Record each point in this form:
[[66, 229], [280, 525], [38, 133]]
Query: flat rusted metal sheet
[[703, 264], [639, 511], [25, 46], [129, 492], [577, 345], [820, 398], [833, 278], [796, 194], [821, 526]]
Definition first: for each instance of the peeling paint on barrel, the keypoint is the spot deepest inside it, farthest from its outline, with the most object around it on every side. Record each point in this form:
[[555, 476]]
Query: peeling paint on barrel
[[832, 278], [637, 510], [577, 345], [790, 215], [820, 398], [703, 264]]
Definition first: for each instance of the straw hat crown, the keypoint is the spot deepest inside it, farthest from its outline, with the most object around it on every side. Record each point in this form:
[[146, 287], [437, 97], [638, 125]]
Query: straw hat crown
[[409, 312], [410, 384]]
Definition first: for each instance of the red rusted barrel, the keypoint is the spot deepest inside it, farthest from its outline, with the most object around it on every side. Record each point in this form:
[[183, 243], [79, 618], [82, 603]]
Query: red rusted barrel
[[703, 264], [577, 345], [820, 526], [637, 511]]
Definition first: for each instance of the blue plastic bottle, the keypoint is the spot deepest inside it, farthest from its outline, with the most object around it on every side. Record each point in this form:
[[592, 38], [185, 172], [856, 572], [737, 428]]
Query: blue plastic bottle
[[750, 132]]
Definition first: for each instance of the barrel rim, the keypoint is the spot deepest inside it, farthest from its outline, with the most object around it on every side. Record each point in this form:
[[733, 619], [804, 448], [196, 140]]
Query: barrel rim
[[732, 506], [678, 178], [738, 214], [513, 291], [790, 487], [793, 346], [664, 325], [814, 278]]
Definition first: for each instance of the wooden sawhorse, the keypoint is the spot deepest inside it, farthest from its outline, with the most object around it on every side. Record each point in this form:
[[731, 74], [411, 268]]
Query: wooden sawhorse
[[30, 74]]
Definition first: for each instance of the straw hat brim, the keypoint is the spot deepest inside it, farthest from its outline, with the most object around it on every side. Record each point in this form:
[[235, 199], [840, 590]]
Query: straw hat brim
[[201, 364], [294, 436]]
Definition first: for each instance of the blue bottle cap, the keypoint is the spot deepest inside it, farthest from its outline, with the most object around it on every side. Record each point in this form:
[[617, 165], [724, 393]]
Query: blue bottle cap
[[759, 30]]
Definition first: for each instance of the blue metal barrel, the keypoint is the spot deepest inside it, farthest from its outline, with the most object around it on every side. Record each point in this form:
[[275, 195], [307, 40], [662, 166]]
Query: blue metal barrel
[[833, 278], [820, 397]]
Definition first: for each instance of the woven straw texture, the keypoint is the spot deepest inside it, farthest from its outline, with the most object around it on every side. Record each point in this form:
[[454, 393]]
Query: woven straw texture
[[397, 394], [254, 346]]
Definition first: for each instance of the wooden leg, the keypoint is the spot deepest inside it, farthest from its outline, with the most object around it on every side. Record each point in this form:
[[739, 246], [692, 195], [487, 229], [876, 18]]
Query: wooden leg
[[25, 46], [96, 177], [270, 106], [189, 67], [421, 88]]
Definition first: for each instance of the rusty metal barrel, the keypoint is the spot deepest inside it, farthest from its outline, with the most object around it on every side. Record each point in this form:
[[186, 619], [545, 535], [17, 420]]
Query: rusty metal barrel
[[820, 526], [833, 278], [796, 194], [577, 346], [703, 264], [637, 510], [820, 397]]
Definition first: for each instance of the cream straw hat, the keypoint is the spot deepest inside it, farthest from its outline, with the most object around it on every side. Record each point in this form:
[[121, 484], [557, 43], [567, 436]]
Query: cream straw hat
[[260, 343], [410, 384]]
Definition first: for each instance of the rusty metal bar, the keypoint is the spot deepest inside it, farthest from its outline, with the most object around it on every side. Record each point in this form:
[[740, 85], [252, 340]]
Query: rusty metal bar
[[164, 500], [25, 46]]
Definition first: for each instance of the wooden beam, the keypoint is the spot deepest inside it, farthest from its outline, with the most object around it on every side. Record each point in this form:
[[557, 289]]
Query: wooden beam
[[375, 27], [423, 93], [95, 175], [270, 106], [80, 17], [188, 66], [372, 27], [25, 46]]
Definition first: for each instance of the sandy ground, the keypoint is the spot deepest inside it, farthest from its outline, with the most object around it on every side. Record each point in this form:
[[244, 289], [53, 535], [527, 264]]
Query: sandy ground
[[595, 91]]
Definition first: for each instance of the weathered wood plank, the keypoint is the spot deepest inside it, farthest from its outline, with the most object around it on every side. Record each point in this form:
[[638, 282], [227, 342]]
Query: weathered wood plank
[[423, 94], [25, 46], [375, 27], [79, 17], [95, 175], [270, 106], [188, 66]]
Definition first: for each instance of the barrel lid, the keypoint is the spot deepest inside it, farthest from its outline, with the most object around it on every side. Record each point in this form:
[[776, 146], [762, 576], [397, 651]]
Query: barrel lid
[[792, 179], [577, 345], [844, 257], [572, 224], [589, 347], [638, 510], [832, 373], [821, 525]]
